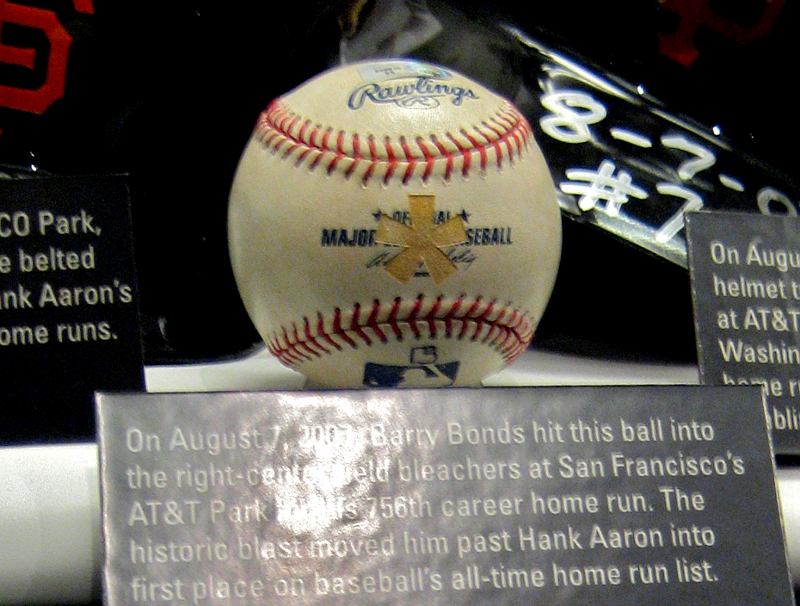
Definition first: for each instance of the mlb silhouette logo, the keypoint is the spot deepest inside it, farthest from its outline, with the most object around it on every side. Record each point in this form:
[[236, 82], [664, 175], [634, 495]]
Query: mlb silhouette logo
[[417, 375], [423, 355]]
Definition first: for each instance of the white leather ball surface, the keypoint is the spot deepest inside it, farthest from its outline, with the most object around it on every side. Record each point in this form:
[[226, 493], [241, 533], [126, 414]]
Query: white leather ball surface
[[393, 223]]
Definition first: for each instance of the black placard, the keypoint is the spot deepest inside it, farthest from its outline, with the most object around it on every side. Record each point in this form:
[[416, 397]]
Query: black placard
[[69, 322], [745, 272], [619, 495]]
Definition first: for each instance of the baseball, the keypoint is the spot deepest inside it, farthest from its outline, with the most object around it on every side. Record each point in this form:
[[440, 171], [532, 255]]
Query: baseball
[[394, 224]]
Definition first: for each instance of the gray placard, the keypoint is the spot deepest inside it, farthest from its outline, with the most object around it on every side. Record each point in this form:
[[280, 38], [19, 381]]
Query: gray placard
[[745, 272], [619, 495]]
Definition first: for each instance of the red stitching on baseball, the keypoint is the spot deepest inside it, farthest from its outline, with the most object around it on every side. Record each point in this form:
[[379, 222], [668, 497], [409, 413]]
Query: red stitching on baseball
[[323, 333], [372, 321], [446, 154], [506, 135], [294, 355], [431, 317], [268, 138], [448, 318], [304, 344], [356, 142], [473, 308], [412, 317], [392, 160], [355, 326], [315, 161], [339, 152], [466, 155], [282, 123], [497, 325], [429, 158], [392, 319], [325, 136], [373, 155], [480, 320], [495, 143], [302, 156], [510, 150], [412, 161], [303, 128], [311, 338], [509, 338], [337, 329]]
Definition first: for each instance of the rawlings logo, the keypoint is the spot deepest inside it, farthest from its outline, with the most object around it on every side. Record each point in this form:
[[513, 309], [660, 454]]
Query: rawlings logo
[[423, 92]]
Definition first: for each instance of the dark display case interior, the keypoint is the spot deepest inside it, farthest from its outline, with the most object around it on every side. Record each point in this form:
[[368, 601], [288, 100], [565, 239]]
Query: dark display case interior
[[168, 95], [692, 100]]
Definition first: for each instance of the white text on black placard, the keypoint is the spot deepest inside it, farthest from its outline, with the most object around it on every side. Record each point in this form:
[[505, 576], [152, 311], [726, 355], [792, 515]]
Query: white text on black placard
[[69, 322], [746, 292]]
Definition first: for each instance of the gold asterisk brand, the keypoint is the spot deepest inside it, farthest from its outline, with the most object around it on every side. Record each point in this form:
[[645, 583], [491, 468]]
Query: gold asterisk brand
[[423, 241]]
